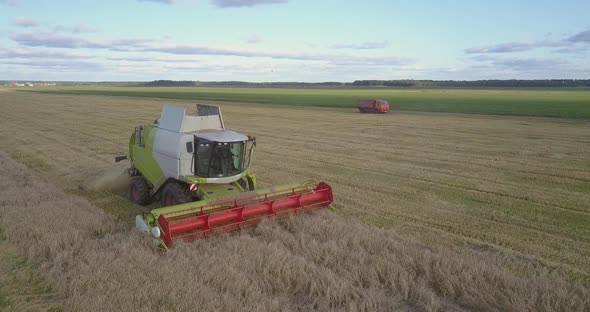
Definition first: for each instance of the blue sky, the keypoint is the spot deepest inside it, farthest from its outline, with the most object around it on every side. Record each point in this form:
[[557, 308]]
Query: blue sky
[[293, 40]]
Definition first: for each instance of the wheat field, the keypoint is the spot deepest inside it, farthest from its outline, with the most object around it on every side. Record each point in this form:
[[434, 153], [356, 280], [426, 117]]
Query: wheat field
[[433, 212]]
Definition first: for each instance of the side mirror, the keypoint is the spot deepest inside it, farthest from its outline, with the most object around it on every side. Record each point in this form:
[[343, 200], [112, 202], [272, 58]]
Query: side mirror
[[189, 147]]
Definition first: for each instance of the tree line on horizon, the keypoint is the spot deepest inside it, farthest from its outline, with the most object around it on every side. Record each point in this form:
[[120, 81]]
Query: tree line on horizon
[[404, 83], [496, 83]]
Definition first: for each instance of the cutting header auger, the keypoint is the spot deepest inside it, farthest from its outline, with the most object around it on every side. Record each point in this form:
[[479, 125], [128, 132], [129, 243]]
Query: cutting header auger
[[200, 173]]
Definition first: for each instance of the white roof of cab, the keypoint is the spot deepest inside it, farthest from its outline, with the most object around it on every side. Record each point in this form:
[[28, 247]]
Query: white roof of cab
[[221, 136]]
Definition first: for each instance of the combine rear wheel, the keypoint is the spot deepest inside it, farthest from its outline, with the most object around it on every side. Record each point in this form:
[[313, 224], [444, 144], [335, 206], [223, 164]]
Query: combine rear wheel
[[175, 194], [139, 191]]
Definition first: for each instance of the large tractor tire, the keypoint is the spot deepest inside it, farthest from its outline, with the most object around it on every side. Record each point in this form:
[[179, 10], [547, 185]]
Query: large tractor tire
[[247, 184], [139, 191], [175, 193]]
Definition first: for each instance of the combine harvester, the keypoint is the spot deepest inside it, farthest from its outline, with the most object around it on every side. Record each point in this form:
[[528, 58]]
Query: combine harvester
[[200, 173]]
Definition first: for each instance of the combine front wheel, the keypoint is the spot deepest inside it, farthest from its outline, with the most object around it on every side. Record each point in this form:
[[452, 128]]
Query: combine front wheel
[[175, 194], [246, 183]]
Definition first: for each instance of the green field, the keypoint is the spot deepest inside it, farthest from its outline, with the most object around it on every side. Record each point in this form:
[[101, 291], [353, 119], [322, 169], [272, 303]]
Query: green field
[[565, 103]]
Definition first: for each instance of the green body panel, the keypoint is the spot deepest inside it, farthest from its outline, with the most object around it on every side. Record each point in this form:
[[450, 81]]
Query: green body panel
[[203, 181], [218, 191], [195, 180], [143, 157]]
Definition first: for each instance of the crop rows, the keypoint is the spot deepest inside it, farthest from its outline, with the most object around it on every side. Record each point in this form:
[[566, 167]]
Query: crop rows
[[504, 187]]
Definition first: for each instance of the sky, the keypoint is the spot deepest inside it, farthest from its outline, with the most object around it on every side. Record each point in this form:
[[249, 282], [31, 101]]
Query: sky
[[293, 40]]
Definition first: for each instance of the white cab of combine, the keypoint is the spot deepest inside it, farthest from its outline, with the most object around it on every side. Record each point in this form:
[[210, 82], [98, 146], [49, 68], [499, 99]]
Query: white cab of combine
[[175, 139]]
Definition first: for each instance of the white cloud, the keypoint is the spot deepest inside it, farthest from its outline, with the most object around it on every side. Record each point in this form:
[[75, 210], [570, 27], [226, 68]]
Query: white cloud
[[367, 45], [152, 58], [8, 2], [52, 40], [515, 47], [244, 3], [25, 22], [563, 45], [55, 64], [160, 1], [76, 29], [583, 36], [22, 53], [253, 39]]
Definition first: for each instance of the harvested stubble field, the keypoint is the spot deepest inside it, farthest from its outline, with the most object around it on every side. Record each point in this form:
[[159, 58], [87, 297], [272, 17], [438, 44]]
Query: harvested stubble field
[[433, 212]]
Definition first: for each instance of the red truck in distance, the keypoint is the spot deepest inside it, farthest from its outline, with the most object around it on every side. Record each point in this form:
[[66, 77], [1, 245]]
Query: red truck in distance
[[373, 106]]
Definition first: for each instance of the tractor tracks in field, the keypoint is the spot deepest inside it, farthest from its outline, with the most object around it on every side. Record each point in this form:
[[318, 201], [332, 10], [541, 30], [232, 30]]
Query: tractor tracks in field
[[355, 160], [462, 229], [452, 158], [496, 245], [378, 190], [485, 229], [431, 181]]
